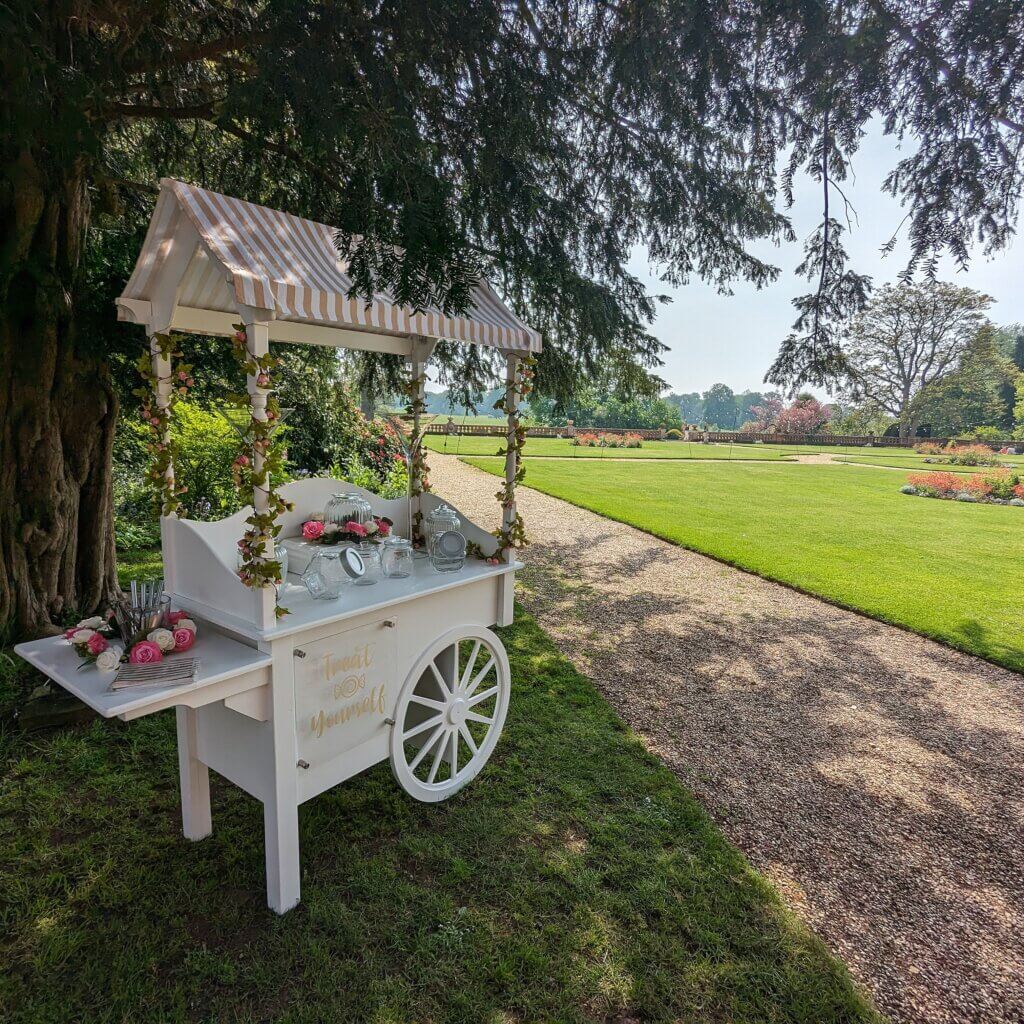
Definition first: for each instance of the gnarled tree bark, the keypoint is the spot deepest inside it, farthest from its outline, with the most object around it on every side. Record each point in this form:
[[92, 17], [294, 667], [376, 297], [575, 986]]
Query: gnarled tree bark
[[57, 409]]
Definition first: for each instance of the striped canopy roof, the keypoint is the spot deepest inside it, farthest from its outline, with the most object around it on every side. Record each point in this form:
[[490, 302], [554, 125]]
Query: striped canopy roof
[[254, 256]]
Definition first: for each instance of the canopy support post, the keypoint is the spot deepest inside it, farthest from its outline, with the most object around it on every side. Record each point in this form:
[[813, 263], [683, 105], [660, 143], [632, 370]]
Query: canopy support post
[[257, 343], [419, 356], [506, 592], [162, 399]]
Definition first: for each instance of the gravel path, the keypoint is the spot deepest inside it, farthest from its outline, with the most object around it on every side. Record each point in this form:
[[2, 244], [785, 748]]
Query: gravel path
[[875, 776]]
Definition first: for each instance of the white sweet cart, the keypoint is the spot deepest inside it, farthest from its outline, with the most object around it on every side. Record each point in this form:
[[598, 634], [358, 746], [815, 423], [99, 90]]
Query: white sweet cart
[[408, 669]]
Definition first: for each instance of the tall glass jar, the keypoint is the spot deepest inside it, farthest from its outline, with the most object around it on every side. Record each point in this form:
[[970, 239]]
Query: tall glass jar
[[396, 558], [330, 571], [348, 507], [441, 520]]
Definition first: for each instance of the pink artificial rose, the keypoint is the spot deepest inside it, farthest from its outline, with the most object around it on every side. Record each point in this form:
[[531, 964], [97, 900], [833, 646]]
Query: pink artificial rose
[[97, 644], [145, 652], [183, 639], [69, 633], [240, 337], [384, 527], [312, 530], [357, 528], [262, 380], [174, 617]]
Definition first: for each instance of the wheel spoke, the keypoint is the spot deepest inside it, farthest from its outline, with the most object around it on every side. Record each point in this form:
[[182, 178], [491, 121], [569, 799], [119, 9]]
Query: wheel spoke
[[455, 752], [468, 737], [477, 698], [422, 727], [471, 661], [437, 705], [472, 716], [479, 677], [441, 681], [415, 762], [437, 760]]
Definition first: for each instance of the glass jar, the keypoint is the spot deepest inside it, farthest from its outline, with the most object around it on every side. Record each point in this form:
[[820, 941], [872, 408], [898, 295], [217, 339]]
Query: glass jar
[[396, 558], [370, 554], [442, 519], [348, 507], [448, 551], [329, 571], [280, 553]]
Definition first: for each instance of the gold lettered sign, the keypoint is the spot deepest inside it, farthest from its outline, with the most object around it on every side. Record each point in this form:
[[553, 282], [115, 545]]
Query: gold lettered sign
[[342, 691]]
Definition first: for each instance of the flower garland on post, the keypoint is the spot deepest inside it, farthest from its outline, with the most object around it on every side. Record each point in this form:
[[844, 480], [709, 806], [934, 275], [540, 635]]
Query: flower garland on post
[[419, 479], [253, 471], [157, 411], [512, 534]]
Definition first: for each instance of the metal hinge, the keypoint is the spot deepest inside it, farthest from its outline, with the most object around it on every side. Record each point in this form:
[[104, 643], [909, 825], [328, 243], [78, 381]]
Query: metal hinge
[[299, 653]]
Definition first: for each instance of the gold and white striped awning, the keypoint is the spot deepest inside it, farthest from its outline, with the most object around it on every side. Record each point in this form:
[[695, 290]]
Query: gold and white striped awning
[[253, 256]]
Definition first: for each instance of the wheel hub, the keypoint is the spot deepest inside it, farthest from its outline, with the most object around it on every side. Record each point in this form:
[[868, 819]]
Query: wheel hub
[[457, 711]]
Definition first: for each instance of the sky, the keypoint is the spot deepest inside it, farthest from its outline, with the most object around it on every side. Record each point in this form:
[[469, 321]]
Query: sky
[[733, 339]]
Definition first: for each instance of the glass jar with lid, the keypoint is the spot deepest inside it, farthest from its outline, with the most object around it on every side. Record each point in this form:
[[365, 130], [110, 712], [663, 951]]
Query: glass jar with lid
[[448, 551], [370, 555], [348, 507], [441, 520], [330, 570], [396, 558]]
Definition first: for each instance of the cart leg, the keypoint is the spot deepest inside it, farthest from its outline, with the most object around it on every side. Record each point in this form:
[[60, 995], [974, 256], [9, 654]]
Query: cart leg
[[196, 820], [281, 832]]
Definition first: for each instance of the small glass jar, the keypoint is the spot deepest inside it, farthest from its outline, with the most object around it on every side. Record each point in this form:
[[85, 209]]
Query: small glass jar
[[396, 558], [448, 551], [348, 507], [370, 554], [280, 553], [440, 520], [329, 572]]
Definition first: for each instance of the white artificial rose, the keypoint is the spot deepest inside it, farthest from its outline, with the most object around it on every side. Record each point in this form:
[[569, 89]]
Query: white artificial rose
[[163, 638], [185, 624], [81, 636], [108, 660], [94, 623]]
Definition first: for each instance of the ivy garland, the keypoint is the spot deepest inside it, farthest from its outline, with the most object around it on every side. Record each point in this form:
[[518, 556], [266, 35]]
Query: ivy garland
[[419, 478], [256, 571], [162, 448], [513, 535]]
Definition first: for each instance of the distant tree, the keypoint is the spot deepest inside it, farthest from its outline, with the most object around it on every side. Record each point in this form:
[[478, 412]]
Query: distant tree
[[720, 407], [745, 402], [909, 337], [974, 394], [805, 416], [765, 416], [691, 406]]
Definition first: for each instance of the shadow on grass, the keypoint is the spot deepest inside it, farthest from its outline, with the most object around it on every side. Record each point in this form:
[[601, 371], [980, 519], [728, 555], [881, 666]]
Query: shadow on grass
[[574, 880], [875, 777]]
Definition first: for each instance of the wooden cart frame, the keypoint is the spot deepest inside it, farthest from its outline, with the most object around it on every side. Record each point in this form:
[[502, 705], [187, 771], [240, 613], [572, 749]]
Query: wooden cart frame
[[407, 670]]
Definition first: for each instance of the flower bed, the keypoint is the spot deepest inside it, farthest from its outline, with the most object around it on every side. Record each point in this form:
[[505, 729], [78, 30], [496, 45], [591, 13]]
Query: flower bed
[[997, 487], [959, 455], [589, 440]]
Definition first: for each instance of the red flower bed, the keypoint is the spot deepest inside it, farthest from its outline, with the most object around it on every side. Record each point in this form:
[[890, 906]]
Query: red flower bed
[[939, 484]]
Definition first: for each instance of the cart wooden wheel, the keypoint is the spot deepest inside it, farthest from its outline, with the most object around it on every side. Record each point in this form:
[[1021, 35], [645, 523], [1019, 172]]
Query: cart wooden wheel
[[450, 713]]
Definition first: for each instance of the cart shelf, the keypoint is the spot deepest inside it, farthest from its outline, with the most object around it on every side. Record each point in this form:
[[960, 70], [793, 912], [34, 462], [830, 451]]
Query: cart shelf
[[305, 613], [226, 668]]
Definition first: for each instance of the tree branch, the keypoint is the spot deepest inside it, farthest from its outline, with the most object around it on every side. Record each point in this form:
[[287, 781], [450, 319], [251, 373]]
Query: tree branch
[[188, 53], [195, 111], [953, 76]]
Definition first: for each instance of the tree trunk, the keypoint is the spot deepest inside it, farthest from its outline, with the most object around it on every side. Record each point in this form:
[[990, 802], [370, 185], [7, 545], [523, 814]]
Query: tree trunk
[[57, 410]]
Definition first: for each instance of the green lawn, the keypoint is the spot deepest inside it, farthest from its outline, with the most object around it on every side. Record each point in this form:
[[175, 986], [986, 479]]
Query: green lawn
[[553, 447], [944, 569], [574, 881]]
